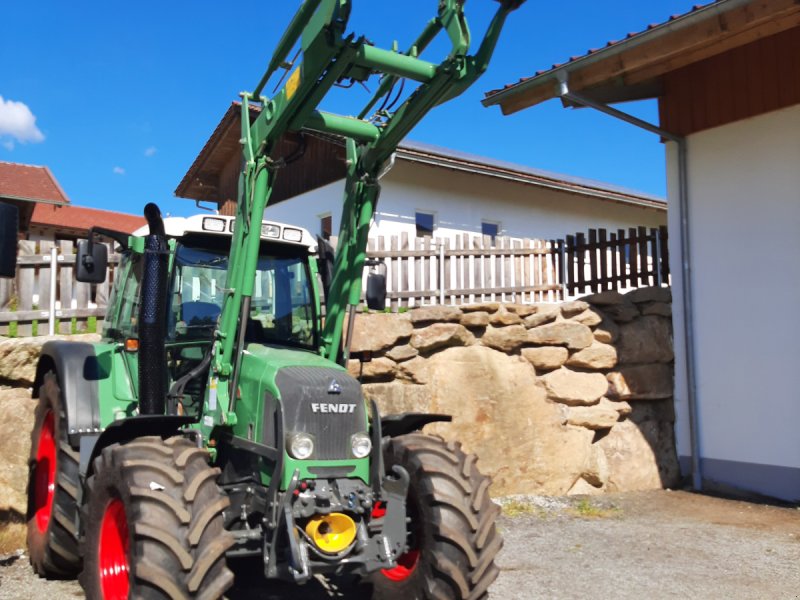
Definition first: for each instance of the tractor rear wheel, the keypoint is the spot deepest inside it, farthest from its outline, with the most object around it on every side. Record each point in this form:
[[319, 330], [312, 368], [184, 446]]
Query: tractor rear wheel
[[154, 524], [452, 538], [53, 484]]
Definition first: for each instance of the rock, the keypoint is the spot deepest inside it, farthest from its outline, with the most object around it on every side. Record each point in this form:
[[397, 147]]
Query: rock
[[505, 339], [584, 488], [596, 356], [437, 314], [475, 319], [489, 307], [589, 317], [414, 370], [502, 415], [544, 314], [596, 472], [378, 369], [546, 358], [502, 318], [17, 409], [661, 309], [374, 332], [441, 335], [575, 389], [401, 353], [18, 356], [622, 407], [607, 332], [654, 410], [641, 382], [602, 415], [646, 340], [605, 298], [395, 398], [622, 313], [650, 294], [570, 309], [523, 310], [640, 456], [561, 333]]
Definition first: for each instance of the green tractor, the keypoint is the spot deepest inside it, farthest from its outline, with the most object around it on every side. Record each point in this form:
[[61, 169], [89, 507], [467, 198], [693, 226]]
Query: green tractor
[[215, 420]]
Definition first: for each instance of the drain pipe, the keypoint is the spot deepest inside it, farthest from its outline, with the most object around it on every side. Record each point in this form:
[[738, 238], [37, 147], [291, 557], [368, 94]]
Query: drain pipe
[[686, 271]]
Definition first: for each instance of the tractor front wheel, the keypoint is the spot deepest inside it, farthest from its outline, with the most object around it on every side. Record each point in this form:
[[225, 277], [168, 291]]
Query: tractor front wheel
[[452, 538], [154, 524], [53, 484]]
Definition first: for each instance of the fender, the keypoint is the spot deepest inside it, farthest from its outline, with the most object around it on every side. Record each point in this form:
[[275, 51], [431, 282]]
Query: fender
[[78, 370], [125, 430]]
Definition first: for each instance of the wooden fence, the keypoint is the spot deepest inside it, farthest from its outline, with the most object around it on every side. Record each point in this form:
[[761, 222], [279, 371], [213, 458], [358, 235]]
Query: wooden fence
[[420, 271], [45, 294], [466, 269], [621, 260]]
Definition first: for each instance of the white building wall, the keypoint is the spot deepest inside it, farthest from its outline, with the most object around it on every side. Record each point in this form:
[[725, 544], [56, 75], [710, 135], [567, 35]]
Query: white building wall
[[744, 197], [460, 201]]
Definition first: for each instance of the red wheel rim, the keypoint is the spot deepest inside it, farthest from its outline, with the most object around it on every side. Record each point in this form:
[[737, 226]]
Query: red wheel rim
[[407, 563], [44, 483], [113, 552]]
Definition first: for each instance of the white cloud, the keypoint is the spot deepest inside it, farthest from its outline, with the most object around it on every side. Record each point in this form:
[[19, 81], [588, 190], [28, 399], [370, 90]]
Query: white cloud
[[18, 122], [150, 151], [8, 145], [118, 171]]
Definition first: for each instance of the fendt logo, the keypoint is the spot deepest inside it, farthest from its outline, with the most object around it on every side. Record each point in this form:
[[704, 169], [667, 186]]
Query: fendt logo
[[333, 407]]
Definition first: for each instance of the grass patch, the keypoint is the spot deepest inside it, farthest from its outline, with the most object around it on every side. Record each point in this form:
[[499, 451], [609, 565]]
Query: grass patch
[[12, 536], [517, 508], [586, 509]]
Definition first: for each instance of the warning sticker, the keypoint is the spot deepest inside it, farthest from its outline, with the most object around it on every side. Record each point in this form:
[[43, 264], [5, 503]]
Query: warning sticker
[[292, 83]]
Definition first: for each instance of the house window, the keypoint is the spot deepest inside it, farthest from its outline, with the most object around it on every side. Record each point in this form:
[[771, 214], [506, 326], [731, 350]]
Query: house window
[[424, 224], [490, 229], [326, 227]]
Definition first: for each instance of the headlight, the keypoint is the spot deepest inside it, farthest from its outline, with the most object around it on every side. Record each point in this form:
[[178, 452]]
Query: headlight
[[300, 446], [361, 445]]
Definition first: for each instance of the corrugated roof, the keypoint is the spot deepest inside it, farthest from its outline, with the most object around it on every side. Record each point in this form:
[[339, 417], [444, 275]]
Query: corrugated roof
[[82, 218], [30, 182]]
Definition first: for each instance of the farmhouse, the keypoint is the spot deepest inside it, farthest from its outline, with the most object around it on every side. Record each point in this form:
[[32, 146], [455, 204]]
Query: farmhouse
[[726, 79]]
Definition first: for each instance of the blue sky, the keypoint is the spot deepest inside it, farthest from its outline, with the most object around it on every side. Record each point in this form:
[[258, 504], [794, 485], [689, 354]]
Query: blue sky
[[124, 95]]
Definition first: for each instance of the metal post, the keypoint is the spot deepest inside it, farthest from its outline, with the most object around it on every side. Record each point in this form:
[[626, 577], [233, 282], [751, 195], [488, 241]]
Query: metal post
[[51, 329]]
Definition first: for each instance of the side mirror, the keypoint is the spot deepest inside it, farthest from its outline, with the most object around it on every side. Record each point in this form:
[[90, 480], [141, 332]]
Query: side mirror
[[376, 285], [9, 224], [92, 261]]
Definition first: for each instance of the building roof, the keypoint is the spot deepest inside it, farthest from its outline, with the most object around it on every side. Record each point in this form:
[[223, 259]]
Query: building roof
[[201, 180], [481, 165], [30, 183], [630, 69], [81, 218]]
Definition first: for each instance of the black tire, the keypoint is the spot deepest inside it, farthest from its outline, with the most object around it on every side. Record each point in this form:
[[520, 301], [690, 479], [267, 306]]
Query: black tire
[[452, 523], [53, 524], [173, 518]]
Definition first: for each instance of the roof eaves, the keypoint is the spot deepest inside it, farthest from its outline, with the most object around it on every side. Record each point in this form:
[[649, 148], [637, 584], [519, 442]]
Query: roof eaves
[[517, 173], [561, 72]]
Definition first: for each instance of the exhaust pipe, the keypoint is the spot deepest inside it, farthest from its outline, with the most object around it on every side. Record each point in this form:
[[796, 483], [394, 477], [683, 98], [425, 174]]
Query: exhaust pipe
[[152, 317]]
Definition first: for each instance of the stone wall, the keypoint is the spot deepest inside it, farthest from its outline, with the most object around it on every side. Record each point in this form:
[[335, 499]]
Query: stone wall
[[573, 398]]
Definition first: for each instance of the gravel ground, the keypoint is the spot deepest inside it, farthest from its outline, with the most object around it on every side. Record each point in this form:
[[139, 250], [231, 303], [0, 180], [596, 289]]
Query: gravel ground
[[635, 545]]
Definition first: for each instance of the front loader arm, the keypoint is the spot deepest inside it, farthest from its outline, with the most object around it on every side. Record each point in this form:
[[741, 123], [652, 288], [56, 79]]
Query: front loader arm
[[329, 56]]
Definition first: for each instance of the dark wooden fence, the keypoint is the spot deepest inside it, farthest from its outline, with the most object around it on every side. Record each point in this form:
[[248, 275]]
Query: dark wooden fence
[[623, 259]]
